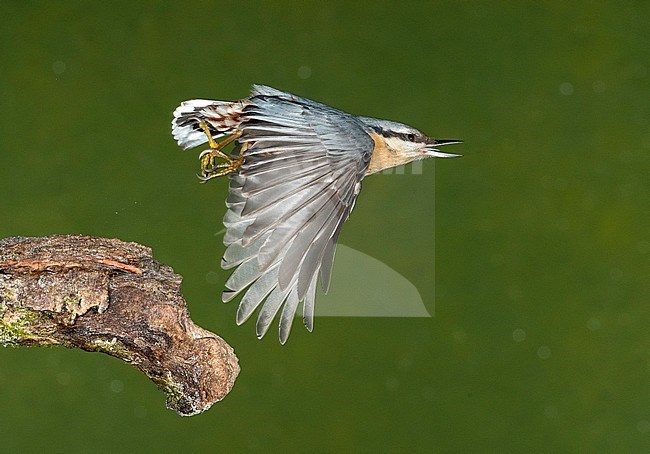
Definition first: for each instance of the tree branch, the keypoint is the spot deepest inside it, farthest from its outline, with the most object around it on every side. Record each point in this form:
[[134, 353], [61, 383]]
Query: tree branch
[[109, 296]]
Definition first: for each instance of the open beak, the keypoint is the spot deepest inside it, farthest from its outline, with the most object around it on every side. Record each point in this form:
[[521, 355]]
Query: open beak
[[432, 151]]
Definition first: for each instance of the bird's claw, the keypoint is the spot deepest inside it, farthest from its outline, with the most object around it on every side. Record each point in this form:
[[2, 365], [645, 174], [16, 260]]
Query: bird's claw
[[208, 157], [211, 170]]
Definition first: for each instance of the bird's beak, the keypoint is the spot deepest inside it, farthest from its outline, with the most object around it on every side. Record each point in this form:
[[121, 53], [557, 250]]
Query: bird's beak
[[433, 152]]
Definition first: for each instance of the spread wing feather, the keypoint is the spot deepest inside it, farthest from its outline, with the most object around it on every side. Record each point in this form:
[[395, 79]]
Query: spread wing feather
[[308, 305], [288, 202], [328, 261]]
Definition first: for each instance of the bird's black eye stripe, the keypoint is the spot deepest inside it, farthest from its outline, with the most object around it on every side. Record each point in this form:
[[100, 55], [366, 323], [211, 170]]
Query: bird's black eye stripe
[[406, 136]]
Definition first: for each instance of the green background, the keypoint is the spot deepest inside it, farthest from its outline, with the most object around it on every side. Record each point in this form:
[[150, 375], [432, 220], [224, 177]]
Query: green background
[[541, 233]]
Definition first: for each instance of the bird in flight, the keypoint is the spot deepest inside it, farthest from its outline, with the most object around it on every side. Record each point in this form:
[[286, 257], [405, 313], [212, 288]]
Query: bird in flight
[[295, 173]]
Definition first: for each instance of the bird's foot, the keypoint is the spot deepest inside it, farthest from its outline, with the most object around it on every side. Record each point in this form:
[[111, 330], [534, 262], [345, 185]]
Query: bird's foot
[[209, 168]]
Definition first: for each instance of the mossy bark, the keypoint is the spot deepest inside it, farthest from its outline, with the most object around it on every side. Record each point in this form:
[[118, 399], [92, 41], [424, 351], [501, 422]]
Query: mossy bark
[[109, 296]]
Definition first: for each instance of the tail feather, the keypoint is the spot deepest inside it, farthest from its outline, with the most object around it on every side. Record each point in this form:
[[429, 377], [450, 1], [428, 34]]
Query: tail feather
[[221, 118]]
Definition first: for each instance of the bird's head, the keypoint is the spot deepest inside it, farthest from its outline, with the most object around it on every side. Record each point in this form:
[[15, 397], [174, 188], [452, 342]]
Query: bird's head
[[397, 144]]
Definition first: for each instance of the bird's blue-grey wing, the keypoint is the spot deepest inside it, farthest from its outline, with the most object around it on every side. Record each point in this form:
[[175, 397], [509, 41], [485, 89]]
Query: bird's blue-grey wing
[[302, 173]]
